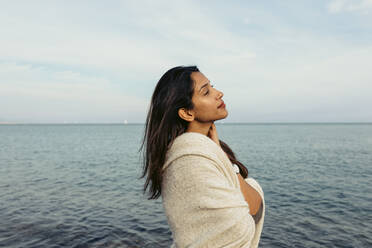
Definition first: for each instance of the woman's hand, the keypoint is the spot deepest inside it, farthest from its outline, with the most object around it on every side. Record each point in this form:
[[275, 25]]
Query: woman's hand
[[212, 133]]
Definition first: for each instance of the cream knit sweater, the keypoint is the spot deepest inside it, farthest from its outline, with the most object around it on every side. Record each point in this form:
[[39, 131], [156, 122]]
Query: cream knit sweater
[[202, 197]]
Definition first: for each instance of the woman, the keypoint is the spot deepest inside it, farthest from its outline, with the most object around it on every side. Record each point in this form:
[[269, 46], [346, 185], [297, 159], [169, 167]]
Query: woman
[[208, 198]]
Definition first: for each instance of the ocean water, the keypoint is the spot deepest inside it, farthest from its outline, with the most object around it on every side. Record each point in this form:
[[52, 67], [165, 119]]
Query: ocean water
[[79, 186]]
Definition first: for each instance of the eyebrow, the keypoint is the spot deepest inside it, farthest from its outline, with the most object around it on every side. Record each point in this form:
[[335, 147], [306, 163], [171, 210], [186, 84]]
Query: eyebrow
[[204, 86]]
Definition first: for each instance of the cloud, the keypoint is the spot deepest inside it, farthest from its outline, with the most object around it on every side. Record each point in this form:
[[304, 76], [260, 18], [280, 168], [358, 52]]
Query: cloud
[[34, 94], [333, 89], [361, 6], [137, 41], [51, 53], [98, 62]]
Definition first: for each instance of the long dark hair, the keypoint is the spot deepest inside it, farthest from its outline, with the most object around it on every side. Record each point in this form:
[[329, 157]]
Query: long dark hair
[[173, 91]]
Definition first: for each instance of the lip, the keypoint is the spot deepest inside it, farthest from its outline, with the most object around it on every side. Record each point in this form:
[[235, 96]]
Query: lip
[[222, 105]]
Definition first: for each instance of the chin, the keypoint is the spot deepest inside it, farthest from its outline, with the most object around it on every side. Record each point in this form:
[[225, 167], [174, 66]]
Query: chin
[[223, 117], [227, 113]]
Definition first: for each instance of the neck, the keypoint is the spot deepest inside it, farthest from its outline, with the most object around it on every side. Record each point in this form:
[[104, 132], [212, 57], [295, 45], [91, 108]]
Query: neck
[[199, 127]]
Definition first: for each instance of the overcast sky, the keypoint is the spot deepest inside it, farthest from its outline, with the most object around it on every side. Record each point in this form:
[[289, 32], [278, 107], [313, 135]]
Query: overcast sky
[[99, 61]]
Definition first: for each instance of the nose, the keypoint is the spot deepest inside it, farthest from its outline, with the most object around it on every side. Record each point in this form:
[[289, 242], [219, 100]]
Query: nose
[[220, 94]]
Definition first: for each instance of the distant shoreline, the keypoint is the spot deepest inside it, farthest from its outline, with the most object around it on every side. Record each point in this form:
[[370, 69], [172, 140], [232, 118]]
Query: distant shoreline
[[218, 123]]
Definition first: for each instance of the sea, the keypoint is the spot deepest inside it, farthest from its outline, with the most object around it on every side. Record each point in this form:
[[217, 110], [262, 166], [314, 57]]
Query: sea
[[80, 185]]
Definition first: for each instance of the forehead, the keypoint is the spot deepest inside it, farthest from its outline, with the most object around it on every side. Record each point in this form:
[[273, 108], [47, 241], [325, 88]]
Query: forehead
[[199, 79]]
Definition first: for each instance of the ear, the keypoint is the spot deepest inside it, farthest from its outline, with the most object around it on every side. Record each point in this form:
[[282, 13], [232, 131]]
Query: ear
[[187, 115]]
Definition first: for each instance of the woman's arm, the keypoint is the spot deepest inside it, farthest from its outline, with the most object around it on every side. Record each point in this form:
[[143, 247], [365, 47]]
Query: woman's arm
[[202, 206], [251, 196]]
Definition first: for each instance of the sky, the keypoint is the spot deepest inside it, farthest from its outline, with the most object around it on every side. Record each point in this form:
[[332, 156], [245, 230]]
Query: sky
[[99, 61]]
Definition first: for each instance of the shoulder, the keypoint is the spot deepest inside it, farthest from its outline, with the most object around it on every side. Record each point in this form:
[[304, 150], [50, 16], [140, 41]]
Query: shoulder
[[252, 182], [191, 142], [193, 146]]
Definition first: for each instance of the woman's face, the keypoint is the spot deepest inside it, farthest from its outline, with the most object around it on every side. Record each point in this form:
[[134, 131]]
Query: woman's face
[[208, 103]]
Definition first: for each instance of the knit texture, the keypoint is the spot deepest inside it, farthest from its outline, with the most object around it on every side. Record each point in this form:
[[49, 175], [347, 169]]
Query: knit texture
[[202, 198]]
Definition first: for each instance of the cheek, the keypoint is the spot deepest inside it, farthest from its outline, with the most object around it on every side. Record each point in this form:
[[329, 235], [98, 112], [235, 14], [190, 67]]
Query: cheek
[[204, 106]]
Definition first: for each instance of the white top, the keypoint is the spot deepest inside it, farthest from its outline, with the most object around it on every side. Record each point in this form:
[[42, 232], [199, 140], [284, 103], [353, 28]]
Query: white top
[[202, 198]]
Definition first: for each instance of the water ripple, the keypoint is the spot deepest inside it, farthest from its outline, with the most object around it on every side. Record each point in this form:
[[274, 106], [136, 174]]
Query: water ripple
[[77, 185]]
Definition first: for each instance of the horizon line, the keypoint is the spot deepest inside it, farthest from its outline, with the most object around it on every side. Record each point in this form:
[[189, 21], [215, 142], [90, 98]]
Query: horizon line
[[217, 123]]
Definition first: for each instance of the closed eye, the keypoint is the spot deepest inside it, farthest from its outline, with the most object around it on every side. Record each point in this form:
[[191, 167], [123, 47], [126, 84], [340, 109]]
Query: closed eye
[[207, 92]]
